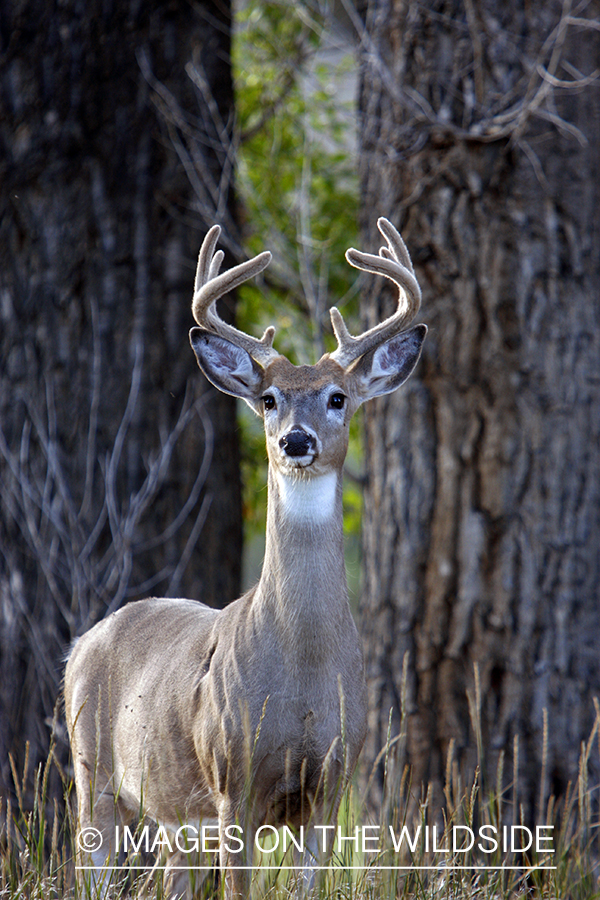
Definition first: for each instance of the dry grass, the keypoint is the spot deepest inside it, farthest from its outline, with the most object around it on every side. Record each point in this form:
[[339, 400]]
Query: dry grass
[[37, 847]]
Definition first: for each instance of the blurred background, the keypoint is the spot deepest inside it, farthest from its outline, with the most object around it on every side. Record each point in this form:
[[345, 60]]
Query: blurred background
[[472, 495]]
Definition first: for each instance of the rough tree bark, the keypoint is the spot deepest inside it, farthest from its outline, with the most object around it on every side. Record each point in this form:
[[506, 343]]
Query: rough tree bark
[[482, 509], [107, 429]]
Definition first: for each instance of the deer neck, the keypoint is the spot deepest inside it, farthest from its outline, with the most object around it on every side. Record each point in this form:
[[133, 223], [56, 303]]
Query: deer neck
[[303, 583]]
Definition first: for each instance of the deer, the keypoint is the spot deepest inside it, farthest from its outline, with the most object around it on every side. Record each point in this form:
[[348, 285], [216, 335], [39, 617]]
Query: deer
[[254, 714]]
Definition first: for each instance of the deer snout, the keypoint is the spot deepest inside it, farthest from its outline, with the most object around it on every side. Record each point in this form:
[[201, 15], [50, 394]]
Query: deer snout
[[298, 442]]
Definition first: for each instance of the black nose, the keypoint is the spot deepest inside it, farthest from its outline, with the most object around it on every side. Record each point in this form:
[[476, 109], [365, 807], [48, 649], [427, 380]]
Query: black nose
[[297, 442]]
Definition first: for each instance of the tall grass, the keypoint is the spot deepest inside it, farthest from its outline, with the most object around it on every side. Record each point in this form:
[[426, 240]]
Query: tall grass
[[37, 845]]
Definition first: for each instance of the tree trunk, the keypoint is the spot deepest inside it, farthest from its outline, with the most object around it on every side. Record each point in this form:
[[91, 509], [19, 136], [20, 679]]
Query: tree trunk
[[118, 463], [482, 506]]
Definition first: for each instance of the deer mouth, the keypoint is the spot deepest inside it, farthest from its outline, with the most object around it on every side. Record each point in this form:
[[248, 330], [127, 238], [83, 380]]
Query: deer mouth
[[301, 464], [298, 463]]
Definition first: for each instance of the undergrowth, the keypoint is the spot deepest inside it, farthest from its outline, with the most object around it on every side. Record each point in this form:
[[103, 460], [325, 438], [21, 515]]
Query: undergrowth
[[410, 850]]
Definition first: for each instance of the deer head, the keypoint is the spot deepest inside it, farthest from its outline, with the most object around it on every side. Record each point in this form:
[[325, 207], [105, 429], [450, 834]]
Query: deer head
[[307, 409]]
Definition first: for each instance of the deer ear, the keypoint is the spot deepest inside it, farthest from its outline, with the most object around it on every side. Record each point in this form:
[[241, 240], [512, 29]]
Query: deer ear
[[384, 368], [230, 368]]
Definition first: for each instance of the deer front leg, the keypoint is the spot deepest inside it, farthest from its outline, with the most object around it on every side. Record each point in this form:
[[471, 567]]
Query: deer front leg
[[310, 861], [190, 868], [188, 875], [236, 845], [318, 845]]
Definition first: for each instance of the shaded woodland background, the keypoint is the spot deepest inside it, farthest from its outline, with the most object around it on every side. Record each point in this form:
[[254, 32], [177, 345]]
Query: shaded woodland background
[[480, 134], [479, 137], [120, 470]]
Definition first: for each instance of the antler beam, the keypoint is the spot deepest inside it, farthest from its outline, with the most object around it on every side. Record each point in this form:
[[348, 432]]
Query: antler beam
[[393, 262], [210, 286]]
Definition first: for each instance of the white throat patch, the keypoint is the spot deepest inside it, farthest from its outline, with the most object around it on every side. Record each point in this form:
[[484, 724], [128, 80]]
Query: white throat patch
[[308, 499]]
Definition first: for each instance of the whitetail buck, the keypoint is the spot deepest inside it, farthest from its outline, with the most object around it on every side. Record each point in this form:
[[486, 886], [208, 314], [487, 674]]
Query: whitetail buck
[[255, 713]]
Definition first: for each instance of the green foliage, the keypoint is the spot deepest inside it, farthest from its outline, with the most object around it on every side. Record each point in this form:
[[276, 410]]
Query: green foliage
[[298, 193], [296, 177]]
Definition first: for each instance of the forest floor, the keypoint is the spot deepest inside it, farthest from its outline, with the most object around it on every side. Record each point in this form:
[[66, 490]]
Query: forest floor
[[476, 850]]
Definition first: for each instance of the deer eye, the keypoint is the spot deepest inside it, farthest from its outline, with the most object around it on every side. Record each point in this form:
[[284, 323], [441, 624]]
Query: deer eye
[[268, 401], [336, 401]]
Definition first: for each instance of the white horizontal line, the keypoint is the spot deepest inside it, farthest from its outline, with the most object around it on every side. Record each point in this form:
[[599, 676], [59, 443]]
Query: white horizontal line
[[440, 868]]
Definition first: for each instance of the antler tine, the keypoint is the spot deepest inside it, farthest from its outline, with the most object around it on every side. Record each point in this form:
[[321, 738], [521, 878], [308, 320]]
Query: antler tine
[[393, 262], [209, 286]]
